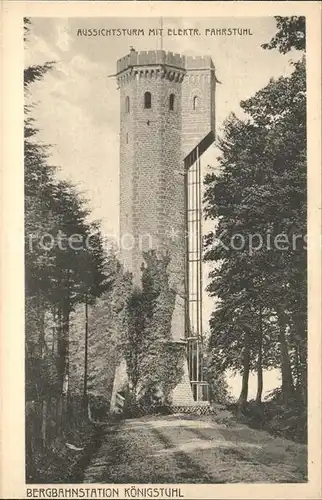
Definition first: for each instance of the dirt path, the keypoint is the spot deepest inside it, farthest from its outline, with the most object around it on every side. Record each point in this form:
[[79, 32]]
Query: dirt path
[[177, 449]]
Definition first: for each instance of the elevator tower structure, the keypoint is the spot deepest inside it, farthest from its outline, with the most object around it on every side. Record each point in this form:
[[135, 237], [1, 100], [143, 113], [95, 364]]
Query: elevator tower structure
[[167, 122]]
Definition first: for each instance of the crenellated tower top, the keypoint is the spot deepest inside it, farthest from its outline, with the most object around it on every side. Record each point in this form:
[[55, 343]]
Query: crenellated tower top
[[159, 63], [150, 58], [152, 63], [161, 57], [194, 63]]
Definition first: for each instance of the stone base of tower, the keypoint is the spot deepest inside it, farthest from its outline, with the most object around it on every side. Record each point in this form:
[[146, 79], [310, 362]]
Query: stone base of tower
[[182, 393], [181, 398]]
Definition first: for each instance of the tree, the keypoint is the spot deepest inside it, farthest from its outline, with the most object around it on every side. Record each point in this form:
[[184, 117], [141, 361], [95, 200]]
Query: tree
[[38, 178], [261, 190], [107, 321], [290, 34], [59, 275], [286, 146]]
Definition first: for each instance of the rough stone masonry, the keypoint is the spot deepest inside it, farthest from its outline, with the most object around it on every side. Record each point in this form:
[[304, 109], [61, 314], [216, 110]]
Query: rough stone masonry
[[167, 108]]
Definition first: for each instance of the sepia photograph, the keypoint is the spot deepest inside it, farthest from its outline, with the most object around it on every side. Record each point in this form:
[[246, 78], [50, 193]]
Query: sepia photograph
[[161, 244], [165, 172]]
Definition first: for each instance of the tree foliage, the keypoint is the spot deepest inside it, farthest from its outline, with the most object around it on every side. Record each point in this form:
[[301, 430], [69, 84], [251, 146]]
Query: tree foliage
[[64, 255], [153, 360], [107, 319], [290, 34], [65, 265], [258, 200]]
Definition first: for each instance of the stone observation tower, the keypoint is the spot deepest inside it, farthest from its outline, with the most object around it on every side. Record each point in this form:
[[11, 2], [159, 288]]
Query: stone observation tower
[[167, 121]]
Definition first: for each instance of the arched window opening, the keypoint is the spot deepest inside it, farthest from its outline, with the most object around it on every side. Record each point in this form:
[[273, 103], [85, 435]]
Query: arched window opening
[[127, 138], [171, 102], [127, 104], [195, 103], [147, 100]]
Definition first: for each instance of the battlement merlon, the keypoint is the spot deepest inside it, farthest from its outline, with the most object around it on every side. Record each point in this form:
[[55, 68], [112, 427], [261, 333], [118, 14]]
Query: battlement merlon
[[199, 62], [150, 57]]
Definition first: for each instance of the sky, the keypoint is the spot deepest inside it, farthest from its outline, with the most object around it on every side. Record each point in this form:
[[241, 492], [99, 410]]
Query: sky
[[77, 103]]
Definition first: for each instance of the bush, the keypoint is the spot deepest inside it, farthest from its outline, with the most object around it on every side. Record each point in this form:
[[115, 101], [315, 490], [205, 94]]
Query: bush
[[275, 417], [54, 461], [289, 421], [99, 406], [149, 404]]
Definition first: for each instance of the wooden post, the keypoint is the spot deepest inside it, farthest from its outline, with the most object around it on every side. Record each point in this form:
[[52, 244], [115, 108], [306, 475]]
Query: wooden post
[[44, 424], [259, 359], [86, 353]]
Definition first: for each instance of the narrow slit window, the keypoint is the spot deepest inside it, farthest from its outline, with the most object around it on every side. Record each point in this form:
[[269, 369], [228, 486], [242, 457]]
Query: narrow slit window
[[147, 100], [127, 104], [195, 103], [171, 102]]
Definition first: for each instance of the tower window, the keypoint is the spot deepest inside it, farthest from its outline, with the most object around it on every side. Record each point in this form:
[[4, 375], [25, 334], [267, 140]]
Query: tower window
[[147, 100], [171, 102], [195, 103], [127, 104]]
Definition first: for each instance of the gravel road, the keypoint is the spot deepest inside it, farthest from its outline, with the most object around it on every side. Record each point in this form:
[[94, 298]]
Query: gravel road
[[179, 449]]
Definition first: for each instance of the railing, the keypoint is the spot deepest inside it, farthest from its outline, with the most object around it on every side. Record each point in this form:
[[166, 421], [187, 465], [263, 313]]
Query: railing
[[200, 390], [119, 402]]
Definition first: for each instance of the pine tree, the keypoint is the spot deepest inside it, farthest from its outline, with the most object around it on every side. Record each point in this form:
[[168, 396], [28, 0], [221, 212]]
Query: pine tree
[[60, 273]]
